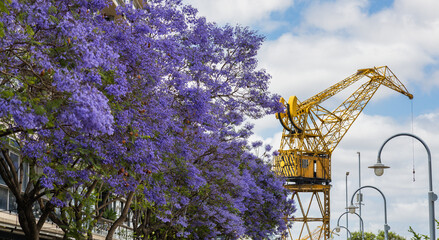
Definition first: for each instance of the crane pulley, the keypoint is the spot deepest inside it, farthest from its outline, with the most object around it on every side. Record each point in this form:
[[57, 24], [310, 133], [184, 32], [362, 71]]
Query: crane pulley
[[312, 132]]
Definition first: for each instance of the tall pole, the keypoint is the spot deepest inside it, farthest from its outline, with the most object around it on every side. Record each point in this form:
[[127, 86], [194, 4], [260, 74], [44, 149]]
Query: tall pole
[[431, 195], [347, 218], [359, 196]]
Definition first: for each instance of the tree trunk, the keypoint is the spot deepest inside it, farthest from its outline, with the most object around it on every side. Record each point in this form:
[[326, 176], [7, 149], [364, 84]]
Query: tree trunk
[[28, 222], [26, 217], [121, 218]]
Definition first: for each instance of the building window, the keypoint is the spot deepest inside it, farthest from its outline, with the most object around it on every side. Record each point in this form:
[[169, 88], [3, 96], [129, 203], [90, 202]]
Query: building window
[[12, 206], [4, 198]]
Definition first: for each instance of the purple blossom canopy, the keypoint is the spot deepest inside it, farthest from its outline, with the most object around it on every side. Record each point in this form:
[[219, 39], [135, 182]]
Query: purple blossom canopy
[[155, 102]]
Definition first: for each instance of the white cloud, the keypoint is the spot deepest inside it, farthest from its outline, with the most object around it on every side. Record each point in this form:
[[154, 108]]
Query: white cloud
[[424, 10], [337, 37], [243, 12], [337, 15], [428, 122]]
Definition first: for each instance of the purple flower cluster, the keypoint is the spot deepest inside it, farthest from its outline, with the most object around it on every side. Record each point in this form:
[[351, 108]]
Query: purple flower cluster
[[157, 105]]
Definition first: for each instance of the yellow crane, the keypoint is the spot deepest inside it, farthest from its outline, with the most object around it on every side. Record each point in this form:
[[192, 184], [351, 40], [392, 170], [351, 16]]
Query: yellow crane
[[311, 134]]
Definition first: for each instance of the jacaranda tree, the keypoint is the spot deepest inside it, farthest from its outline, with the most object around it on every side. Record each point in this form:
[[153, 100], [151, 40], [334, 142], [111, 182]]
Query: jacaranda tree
[[150, 108]]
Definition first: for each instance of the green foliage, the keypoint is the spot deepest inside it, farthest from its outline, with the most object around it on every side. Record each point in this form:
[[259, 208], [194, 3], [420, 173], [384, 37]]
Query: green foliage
[[21, 16], [53, 10], [367, 236], [2, 30], [419, 236], [29, 30], [6, 94], [3, 7], [110, 214], [392, 236], [107, 77], [54, 19], [372, 236]]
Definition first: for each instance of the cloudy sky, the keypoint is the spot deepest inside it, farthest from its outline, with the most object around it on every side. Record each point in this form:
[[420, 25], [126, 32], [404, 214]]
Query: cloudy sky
[[313, 44]]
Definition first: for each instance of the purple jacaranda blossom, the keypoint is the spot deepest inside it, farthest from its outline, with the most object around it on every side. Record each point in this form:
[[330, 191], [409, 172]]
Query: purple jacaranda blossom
[[157, 102], [57, 202]]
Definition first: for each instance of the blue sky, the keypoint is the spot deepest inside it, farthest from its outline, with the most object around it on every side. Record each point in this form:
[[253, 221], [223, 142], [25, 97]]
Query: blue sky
[[312, 44]]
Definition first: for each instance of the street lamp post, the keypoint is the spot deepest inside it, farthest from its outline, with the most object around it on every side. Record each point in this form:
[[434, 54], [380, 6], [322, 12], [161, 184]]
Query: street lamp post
[[352, 208], [431, 195], [347, 219], [337, 229], [359, 195], [361, 223]]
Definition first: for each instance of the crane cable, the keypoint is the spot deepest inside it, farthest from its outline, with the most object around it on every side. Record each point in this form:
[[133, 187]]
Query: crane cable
[[413, 144]]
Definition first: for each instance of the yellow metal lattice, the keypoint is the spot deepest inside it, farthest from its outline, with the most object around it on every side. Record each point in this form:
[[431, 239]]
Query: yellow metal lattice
[[312, 132]]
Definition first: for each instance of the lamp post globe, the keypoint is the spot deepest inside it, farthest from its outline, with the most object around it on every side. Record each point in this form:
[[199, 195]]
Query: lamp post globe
[[378, 168], [351, 208]]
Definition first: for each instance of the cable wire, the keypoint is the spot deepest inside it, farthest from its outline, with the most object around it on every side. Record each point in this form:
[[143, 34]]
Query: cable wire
[[413, 144]]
